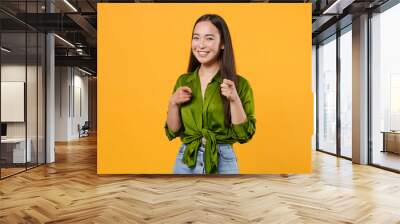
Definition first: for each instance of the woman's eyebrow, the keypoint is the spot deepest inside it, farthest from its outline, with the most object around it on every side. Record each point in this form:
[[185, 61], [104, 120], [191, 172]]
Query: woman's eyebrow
[[209, 34]]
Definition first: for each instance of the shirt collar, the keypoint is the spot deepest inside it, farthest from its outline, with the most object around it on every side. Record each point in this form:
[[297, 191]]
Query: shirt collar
[[217, 77]]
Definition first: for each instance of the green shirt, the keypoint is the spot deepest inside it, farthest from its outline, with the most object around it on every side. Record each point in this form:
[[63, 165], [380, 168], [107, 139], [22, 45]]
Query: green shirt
[[206, 119]]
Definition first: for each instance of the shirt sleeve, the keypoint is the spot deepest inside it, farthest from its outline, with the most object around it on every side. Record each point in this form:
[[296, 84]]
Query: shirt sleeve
[[243, 132], [168, 132]]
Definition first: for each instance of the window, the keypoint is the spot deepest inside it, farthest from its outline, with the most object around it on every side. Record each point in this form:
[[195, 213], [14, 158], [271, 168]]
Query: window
[[346, 93], [327, 95], [385, 88]]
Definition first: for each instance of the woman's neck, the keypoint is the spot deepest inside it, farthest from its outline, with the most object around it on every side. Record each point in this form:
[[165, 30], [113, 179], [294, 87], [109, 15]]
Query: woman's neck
[[209, 71]]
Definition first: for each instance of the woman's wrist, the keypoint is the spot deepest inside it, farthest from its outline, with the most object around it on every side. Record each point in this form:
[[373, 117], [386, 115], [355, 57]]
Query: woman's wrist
[[173, 104], [238, 115], [234, 99]]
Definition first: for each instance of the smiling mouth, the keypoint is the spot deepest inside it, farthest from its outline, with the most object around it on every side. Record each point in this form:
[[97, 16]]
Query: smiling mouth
[[203, 53]]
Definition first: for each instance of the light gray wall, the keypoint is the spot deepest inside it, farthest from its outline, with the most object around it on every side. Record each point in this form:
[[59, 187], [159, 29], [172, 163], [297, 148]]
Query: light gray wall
[[62, 80], [70, 84]]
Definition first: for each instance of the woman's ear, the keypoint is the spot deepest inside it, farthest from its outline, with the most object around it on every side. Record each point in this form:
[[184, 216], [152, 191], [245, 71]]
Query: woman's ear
[[222, 47]]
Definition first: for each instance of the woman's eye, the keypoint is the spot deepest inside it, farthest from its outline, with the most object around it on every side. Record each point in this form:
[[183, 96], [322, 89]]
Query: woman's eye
[[195, 38], [210, 38]]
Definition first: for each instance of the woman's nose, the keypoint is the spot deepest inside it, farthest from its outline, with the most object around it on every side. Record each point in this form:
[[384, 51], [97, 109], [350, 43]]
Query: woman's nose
[[202, 43]]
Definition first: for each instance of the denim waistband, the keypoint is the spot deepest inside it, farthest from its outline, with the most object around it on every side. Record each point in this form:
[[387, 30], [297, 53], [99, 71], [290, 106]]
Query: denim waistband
[[203, 146]]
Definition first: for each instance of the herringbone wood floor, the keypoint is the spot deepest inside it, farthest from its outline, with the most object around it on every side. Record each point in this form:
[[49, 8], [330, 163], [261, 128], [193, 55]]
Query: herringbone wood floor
[[69, 191]]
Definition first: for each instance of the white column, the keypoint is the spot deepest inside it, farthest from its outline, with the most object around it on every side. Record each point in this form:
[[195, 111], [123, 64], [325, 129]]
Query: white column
[[360, 90], [50, 92]]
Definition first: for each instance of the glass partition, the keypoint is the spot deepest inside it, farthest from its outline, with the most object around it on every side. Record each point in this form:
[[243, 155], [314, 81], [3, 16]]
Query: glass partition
[[22, 88], [32, 95], [327, 95], [41, 86], [14, 154]]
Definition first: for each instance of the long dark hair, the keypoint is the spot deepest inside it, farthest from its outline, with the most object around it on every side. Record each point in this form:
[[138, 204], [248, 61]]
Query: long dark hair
[[226, 57]]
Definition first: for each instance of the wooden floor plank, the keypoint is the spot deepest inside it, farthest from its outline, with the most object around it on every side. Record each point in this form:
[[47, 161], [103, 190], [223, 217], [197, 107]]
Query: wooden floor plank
[[70, 191]]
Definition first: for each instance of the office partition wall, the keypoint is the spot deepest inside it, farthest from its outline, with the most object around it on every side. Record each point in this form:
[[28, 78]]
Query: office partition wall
[[22, 64]]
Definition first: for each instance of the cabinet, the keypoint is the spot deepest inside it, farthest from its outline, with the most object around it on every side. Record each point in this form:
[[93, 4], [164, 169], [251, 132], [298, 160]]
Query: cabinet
[[13, 150], [391, 142]]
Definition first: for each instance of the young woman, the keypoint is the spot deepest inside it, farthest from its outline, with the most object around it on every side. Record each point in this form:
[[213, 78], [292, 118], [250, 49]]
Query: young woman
[[211, 107]]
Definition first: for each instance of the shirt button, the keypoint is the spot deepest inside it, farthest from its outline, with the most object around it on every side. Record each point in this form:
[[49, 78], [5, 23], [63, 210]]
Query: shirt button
[[201, 164]]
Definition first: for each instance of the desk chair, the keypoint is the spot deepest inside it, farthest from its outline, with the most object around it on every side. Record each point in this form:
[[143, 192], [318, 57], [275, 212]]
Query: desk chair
[[84, 130]]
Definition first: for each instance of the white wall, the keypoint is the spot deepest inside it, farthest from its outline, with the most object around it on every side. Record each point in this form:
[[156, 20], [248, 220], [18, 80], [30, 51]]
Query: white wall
[[71, 87], [33, 127], [13, 72], [80, 84], [16, 73], [62, 78]]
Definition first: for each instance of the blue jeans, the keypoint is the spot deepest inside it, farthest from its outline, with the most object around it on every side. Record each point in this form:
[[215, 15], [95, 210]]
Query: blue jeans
[[227, 162]]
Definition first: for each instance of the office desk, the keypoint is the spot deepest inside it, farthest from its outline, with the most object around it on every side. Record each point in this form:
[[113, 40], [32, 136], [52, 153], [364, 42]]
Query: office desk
[[391, 141], [15, 148]]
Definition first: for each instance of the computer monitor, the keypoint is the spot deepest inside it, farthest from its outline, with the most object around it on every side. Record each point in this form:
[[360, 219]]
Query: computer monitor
[[3, 129]]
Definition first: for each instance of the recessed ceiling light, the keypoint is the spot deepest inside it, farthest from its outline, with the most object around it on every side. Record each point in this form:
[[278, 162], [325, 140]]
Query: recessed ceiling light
[[84, 71], [64, 40], [5, 50], [70, 5], [338, 6]]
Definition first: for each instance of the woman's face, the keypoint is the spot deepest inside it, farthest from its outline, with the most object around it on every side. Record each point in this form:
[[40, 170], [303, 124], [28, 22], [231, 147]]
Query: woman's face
[[206, 42]]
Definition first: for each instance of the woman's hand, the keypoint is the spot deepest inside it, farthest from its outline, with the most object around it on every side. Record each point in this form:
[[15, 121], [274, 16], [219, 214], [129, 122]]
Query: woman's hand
[[182, 95], [228, 89]]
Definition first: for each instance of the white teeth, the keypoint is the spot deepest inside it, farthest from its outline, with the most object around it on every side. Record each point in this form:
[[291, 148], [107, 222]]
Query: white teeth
[[203, 53]]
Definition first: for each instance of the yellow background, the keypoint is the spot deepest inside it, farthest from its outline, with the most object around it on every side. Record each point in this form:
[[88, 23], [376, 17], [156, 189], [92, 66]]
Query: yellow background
[[142, 50]]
